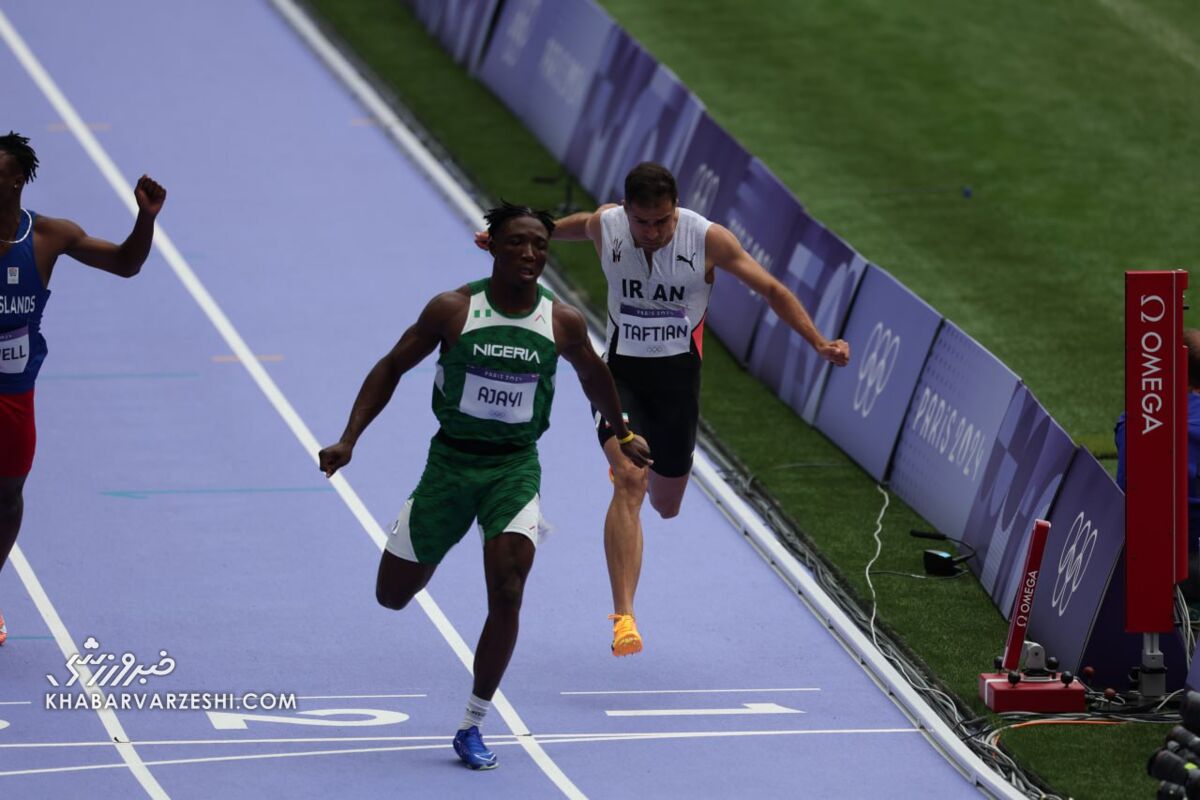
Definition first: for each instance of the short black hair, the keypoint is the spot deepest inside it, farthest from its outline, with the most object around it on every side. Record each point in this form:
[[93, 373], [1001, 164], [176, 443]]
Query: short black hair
[[648, 183], [496, 217], [18, 147]]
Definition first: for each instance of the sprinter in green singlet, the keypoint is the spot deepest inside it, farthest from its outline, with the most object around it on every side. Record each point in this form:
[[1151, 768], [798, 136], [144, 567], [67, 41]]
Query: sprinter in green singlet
[[499, 341]]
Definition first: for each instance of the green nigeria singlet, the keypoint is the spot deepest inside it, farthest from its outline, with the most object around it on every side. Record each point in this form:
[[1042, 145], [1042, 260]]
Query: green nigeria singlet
[[497, 382]]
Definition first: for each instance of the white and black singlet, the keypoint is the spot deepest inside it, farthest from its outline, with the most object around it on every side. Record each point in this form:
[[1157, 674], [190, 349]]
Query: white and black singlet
[[656, 314]]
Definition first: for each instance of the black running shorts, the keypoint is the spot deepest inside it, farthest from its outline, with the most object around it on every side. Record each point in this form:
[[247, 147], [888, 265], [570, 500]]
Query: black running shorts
[[660, 398]]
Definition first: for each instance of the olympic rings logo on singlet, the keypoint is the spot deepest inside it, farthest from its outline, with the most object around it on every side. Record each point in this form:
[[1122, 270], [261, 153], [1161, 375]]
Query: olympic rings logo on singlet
[[653, 332], [497, 395], [14, 351]]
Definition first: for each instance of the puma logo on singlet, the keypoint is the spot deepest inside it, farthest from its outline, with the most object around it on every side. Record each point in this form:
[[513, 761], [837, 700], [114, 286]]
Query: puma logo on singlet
[[616, 251], [688, 261]]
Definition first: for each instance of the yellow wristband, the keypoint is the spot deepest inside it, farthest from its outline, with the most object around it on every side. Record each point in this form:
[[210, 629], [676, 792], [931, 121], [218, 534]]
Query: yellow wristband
[[627, 438]]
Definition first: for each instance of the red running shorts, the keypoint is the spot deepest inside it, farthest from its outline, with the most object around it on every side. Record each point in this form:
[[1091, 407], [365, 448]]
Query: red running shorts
[[18, 434]]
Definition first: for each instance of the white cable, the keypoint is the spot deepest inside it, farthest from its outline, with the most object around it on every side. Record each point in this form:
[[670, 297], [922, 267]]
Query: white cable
[[920, 685], [1184, 613], [874, 558]]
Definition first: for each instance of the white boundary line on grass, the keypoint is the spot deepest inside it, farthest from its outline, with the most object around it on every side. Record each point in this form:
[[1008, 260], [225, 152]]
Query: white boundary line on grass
[[741, 514], [246, 356]]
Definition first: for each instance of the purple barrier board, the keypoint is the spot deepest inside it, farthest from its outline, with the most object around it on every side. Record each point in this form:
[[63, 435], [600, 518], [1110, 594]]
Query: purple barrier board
[[956, 411], [1029, 457], [890, 331], [823, 272], [763, 215], [733, 314], [636, 110], [464, 27], [1087, 534], [709, 178], [541, 61], [460, 25], [1078, 610], [429, 12], [1193, 677], [1111, 652], [711, 171]]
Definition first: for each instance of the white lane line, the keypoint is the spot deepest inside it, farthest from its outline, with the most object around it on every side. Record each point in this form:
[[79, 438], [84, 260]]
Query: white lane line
[[65, 642], [16, 703], [108, 717], [362, 90], [294, 740], [249, 361], [354, 696], [560, 738], [493, 741], [742, 710], [253, 757], [750, 524], [505, 738], [471, 214], [740, 515], [689, 691]]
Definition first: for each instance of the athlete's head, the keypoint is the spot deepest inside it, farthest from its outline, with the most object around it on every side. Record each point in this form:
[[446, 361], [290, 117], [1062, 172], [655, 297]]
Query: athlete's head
[[651, 197], [519, 241], [18, 162]]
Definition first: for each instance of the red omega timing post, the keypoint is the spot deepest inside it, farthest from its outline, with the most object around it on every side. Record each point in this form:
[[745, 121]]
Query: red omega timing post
[[1156, 549]]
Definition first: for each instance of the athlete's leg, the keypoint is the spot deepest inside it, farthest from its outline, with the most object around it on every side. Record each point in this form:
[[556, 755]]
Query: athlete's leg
[[12, 506], [510, 521], [666, 494], [675, 421], [18, 432], [434, 518], [399, 580], [623, 527], [507, 559]]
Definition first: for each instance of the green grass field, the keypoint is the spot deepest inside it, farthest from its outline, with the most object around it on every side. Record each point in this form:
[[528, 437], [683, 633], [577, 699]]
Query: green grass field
[[1073, 124]]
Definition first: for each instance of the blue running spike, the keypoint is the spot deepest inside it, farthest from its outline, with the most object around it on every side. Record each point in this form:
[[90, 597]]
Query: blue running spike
[[471, 749]]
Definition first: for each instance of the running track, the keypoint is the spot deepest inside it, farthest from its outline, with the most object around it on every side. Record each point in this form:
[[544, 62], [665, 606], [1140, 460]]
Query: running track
[[175, 504]]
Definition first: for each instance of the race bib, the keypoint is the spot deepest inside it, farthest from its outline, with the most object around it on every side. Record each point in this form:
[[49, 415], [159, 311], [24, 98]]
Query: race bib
[[653, 332], [501, 396], [14, 351]]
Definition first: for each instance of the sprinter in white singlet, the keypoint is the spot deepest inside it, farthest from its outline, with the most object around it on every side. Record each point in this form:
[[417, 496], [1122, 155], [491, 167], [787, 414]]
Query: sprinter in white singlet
[[660, 262]]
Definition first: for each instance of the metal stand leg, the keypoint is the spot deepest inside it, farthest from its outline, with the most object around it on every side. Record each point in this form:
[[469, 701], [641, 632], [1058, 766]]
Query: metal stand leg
[[1152, 676]]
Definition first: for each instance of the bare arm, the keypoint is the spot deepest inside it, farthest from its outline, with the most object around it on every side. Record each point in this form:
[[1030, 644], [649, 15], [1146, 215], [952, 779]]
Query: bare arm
[[380, 384], [578, 227], [727, 253], [125, 259], [581, 225], [570, 331]]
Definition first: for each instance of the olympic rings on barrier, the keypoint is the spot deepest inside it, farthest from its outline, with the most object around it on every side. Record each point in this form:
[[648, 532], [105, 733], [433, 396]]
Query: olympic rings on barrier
[[875, 369]]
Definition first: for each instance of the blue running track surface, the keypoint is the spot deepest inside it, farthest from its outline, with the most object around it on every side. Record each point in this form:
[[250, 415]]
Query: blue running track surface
[[175, 514]]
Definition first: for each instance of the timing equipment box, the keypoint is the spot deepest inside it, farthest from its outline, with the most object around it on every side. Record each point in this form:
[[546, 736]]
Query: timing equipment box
[[1045, 696]]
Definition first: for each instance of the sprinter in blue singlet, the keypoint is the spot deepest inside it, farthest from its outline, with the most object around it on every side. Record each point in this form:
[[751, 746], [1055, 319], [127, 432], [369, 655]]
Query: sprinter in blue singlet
[[29, 246]]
